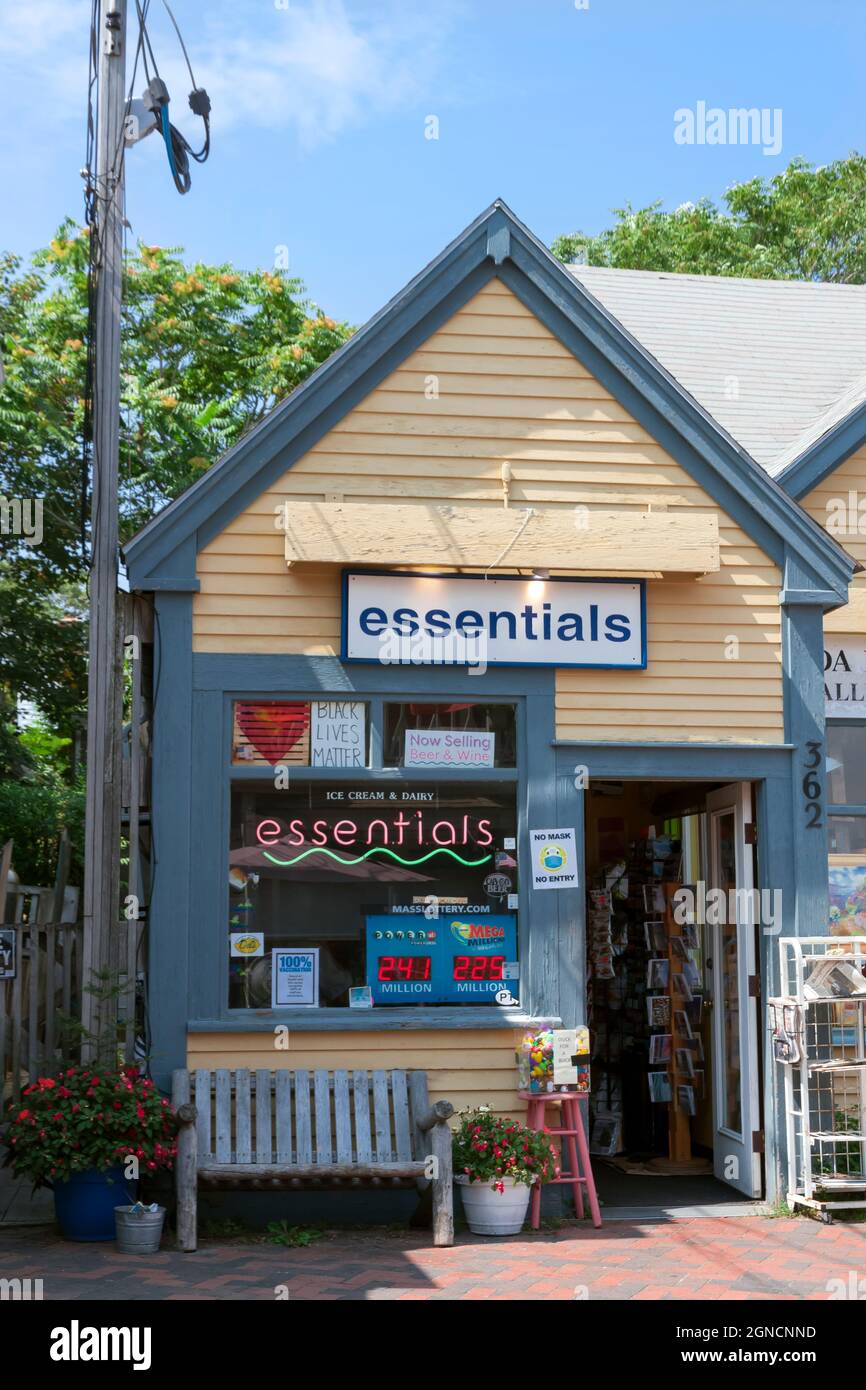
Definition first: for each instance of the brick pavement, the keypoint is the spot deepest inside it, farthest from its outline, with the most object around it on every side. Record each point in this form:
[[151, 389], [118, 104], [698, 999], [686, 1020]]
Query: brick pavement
[[734, 1258]]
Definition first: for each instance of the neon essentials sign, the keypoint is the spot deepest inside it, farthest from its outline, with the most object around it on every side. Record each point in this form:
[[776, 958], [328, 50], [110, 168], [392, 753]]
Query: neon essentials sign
[[426, 619], [400, 830]]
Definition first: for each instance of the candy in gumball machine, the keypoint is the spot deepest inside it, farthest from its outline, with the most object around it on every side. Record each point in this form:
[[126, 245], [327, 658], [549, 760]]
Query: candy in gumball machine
[[535, 1058]]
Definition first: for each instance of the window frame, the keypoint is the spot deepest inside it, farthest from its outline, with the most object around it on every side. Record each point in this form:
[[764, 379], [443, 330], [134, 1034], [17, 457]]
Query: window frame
[[853, 810], [402, 1016]]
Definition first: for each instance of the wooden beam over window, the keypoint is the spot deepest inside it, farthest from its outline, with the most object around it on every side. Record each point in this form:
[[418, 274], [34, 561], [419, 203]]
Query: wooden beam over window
[[507, 538]]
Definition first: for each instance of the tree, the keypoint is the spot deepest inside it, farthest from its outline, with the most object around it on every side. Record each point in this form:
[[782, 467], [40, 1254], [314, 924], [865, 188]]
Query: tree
[[207, 350], [802, 224]]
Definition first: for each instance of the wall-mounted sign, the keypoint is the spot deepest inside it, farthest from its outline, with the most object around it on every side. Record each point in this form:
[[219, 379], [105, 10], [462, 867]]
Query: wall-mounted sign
[[295, 978], [449, 748], [466, 620], [246, 943], [554, 858], [452, 960], [337, 733], [845, 678], [7, 953]]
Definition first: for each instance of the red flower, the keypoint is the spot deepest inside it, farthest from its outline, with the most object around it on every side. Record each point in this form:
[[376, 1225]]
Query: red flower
[[24, 1115]]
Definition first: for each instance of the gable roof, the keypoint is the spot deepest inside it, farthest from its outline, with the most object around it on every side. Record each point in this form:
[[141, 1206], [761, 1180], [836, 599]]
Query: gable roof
[[496, 243], [778, 363]]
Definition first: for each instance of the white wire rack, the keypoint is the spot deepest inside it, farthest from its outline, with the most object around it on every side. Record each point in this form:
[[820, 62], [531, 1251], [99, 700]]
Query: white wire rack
[[825, 1088]]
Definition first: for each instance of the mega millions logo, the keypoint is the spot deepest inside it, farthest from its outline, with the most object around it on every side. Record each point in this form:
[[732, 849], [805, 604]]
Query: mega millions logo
[[466, 932], [552, 858]]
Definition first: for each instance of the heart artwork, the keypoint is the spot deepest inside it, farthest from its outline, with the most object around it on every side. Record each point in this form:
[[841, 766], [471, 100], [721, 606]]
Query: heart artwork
[[273, 727]]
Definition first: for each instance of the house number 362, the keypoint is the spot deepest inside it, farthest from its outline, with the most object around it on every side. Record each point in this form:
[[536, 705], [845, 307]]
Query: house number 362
[[812, 785]]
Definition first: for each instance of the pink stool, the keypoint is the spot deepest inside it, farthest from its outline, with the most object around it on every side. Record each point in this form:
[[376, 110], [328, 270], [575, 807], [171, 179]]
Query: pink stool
[[573, 1140]]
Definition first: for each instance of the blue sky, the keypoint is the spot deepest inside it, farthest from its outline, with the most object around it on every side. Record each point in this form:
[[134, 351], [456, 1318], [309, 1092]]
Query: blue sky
[[320, 109]]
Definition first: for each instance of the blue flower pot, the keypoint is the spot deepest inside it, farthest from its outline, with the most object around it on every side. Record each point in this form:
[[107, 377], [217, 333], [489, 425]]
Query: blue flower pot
[[85, 1203]]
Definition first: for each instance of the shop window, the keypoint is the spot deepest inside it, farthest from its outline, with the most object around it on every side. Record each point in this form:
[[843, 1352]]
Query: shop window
[[461, 734], [846, 764], [305, 733], [846, 830], [381, 893], [847, 834]]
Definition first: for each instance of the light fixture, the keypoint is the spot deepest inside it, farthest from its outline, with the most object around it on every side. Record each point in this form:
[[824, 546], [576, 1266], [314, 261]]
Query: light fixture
[[540, 574]]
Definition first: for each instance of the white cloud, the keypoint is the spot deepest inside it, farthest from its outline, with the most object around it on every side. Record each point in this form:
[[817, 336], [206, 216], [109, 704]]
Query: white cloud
[[313, 69], [321, 67]]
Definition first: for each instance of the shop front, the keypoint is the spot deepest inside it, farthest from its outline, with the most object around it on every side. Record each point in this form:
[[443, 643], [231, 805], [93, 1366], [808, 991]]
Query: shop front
[[481, 646]]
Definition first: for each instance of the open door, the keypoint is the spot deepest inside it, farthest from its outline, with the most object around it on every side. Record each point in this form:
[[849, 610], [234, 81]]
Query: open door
[[731, 969]]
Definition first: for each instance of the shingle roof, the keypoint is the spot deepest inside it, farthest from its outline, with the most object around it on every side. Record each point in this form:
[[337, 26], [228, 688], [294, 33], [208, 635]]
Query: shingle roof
[[776, 363]]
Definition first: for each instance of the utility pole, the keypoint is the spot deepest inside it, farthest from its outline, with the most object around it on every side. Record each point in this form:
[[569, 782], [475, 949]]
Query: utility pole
[[104, 681]]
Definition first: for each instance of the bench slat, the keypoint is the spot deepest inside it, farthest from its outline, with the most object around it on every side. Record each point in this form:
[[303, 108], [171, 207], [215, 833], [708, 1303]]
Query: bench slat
[[243, 1121], [420, 1099], [202, 1105], [303, 1127], [283, 1106], [402, 1134], [264, 1149], [240, 1172], [342, 1117], [382, 1116], [223, 1115], [322, 1088], [363, 1140]]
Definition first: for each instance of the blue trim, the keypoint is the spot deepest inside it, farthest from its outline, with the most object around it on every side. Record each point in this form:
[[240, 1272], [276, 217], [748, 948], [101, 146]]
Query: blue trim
[[675, 762], [192, 789], [824, 456], [173, 792], [735, 481], [250, 676], [347, 660]]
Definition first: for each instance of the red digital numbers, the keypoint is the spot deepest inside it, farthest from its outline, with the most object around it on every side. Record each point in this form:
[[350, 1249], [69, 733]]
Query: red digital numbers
[[478, 967], [404, 968]]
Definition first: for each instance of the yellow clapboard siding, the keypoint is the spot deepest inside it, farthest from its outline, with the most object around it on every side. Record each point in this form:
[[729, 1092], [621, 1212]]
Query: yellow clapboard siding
[[603, 718], [485, 411], [509, 391], [261, 645], [839, 505], [716, 700], [496, 387]]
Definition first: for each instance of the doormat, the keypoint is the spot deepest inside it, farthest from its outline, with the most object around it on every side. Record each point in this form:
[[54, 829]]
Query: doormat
[[662, 1167]]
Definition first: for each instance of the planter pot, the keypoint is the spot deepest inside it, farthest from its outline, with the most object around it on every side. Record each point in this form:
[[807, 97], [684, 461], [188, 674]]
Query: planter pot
[[138, 1232], [85, 1203], [492, 1213]]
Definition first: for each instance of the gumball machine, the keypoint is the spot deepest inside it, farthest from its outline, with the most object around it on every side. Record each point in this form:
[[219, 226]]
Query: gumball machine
[[535, 1058]]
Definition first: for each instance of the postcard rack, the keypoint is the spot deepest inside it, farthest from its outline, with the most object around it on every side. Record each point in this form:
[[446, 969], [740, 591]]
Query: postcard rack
[[818, 1026]]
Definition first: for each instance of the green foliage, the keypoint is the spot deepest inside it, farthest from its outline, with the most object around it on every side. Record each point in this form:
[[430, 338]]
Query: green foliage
[[281, 1233], [33, 814], [206, 352], [804, 223]]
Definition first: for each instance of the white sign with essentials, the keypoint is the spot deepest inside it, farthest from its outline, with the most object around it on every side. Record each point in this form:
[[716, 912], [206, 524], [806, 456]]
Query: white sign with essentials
[[845, 678], [554, 858], [447, 619], [337, 733], [295, 978], [449, 748]]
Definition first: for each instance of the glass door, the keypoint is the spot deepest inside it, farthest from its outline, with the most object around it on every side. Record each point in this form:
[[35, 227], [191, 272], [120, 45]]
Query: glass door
[[731, 968]]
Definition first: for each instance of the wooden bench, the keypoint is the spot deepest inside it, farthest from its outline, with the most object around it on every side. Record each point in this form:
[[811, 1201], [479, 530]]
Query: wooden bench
[[273, 1129]]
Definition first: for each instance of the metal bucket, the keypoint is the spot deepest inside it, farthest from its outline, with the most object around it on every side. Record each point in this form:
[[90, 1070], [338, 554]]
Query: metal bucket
[[138, 1232]]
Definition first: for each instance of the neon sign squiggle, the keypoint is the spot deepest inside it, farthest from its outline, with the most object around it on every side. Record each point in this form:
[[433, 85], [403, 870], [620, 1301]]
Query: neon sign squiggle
[[378, 849]]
